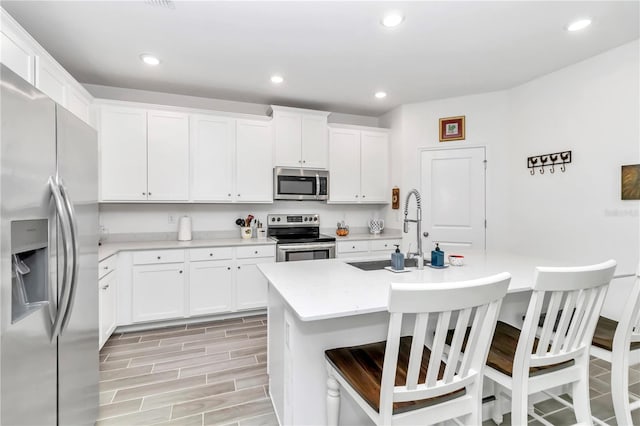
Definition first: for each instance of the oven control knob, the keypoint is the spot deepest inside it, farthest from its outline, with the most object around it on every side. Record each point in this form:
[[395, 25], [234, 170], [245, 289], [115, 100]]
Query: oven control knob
[[315, 219], [306, 218], [273, 219], [278, 219]]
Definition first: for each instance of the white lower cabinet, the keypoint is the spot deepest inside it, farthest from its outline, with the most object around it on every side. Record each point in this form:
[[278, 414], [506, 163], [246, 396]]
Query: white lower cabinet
[[251, 285], [366, 247], [158, 292], [171, 284], [107, 309], [210, 287], [107, 299]]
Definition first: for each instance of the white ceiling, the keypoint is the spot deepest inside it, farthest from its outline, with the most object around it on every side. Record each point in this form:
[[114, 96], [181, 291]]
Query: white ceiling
[[333, 55]]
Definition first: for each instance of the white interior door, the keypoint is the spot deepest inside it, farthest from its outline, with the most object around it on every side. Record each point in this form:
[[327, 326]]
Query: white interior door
[[453, 190]]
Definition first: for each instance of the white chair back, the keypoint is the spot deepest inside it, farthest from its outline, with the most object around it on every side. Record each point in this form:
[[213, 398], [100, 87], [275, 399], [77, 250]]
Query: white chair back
[[628, 330], [574, 297], [473, 303]]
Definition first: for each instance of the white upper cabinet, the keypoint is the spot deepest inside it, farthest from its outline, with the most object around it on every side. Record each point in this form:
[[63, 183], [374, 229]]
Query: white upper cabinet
[[167, 156], [300, 137], [374, 167], [22, 54], [212, 158], [344, 160], [15, 51], [123, 154], [49, 80], [359, 165], [254, 161]]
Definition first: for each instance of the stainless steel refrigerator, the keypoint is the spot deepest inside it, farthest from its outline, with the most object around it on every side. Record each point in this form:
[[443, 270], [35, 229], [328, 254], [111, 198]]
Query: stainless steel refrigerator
[[48, 261]]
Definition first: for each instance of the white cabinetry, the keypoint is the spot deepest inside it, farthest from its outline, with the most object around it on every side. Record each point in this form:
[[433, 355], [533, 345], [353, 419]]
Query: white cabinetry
[[15, 52], [22, 54], [167, 156], [251, 285], [254, 162], [213, 143], [144, 155], [300, 137], [211, 280], [370, 248], [123, 154], [158, 285], [172, 284], [107, 294], [359, 165]]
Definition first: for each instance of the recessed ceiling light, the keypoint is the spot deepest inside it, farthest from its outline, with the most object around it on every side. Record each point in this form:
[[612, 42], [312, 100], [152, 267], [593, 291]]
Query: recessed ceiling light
[[277, 79], [149, 59], [392, 19], [579, 25], [381, 95]]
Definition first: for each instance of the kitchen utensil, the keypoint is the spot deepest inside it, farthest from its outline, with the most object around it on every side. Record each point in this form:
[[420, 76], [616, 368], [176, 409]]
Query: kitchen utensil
[[240, 222]]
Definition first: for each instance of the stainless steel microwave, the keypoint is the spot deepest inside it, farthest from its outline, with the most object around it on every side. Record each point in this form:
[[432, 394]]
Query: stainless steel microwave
[[300, 184]]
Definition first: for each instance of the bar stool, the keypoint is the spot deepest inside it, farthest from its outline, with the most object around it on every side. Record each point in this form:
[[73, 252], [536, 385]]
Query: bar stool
[[400, 381], [524, 364], [619, 344]]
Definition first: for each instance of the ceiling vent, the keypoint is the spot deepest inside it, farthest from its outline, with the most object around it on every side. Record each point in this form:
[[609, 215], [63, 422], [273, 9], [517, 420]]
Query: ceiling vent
[[168, 4]]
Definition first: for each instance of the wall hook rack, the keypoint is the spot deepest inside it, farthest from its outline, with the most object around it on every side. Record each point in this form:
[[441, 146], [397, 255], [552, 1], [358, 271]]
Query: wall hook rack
[[550, 161]]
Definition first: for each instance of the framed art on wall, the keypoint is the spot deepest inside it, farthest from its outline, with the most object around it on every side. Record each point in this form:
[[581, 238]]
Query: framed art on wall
[[452, 129], [630, 182]]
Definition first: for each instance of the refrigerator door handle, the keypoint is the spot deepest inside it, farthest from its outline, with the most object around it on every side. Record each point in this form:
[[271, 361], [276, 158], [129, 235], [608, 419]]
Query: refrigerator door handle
[[66, 270], [75, 250]]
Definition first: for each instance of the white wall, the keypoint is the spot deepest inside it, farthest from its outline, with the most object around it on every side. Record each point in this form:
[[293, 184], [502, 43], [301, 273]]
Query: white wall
[[591, 108], [145, 96], [415, 126], [141, 218]]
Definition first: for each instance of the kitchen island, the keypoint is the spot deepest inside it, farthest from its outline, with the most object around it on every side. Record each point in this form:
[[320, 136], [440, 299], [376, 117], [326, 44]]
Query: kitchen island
[[323, 304]]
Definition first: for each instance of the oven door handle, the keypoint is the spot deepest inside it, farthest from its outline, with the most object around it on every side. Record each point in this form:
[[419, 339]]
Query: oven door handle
[[307, 246], [317, 185]]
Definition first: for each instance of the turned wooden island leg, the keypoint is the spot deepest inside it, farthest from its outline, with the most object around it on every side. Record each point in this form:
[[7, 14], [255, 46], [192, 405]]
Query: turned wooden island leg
[[333, 401]]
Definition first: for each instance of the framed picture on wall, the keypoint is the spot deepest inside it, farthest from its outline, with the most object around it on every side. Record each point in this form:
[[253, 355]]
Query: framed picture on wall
[[452, 129], [630, 182]]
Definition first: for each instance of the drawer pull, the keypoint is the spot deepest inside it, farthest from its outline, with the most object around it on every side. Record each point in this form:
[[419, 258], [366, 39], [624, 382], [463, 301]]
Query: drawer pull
[[255, 252], [228, 268], [180, 271], [106, 267], [158, 257], [353, 247], [105, 287], [238, 267], [210, 254]]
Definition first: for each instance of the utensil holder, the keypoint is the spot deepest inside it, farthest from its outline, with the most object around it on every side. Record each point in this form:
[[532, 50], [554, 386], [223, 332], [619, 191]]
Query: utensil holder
[[245, 232]]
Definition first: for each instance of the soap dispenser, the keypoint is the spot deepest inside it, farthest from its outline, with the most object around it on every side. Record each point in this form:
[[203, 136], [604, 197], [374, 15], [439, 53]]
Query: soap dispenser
[[397, 259], [437, 257]]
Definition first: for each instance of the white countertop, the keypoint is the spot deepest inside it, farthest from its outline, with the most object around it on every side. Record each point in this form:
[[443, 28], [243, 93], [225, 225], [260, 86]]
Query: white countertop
[[323, 289], [109, 249]]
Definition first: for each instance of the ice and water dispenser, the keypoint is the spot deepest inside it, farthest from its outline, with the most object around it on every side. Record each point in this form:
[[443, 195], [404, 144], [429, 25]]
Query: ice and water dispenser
[[29, 267]]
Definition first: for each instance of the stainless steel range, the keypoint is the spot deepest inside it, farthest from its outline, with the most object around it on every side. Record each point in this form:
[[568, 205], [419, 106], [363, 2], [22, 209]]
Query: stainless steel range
[[299, 237]]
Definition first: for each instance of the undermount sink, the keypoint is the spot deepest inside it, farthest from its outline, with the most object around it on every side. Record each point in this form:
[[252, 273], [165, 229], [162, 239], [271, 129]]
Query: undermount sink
[[374, 265]]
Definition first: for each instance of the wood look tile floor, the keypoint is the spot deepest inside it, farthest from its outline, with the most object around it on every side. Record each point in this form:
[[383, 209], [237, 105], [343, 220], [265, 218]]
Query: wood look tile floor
[[212, 373]]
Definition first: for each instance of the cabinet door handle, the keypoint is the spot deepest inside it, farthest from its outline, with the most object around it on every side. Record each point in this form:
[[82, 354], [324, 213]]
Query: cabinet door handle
[[356, 195], [229, 195], [180, 271], [228, 268], [238, 267], [210, 254], [304, 161], [363, 195], [106, 267], [238, 195], [353, 247], [105, 287], [255, 252], [158, 257], [149, 193], [144, 193]]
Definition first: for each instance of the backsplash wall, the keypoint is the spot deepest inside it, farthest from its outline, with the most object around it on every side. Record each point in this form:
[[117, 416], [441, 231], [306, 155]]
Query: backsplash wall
[[143, 218]]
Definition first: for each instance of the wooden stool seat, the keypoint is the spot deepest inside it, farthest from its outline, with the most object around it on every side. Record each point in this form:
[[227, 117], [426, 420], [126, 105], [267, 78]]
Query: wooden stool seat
[[361, 366], [605, 330]]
